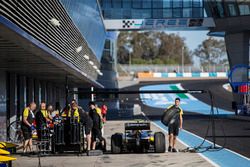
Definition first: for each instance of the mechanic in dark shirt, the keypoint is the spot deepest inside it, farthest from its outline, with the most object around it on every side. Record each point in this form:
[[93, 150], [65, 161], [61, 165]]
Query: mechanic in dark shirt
[[86, 122], [41, 122], [175, 124], [96, 130]]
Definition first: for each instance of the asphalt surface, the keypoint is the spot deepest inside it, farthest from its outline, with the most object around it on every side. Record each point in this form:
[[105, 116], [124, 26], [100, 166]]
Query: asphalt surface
[[114, 160], [233, 134]]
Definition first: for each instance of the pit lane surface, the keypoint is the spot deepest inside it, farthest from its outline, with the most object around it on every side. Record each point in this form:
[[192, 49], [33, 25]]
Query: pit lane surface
[[236, 130], [115, 160]]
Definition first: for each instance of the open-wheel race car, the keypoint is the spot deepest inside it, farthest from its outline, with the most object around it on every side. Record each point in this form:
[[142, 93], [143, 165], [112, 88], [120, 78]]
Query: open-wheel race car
[[138, 138]]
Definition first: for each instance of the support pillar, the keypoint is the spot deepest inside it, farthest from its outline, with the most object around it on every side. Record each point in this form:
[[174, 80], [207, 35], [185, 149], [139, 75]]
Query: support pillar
[[237, 45], [30, 90]]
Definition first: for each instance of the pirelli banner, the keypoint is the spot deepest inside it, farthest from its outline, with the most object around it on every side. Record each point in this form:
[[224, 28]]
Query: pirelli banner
[[155, 24]]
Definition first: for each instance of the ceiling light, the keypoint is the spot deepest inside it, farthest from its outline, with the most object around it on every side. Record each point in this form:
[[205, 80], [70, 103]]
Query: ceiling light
[[91, 63], [55, 22], [86, 57], [95, 67], [79, 49]]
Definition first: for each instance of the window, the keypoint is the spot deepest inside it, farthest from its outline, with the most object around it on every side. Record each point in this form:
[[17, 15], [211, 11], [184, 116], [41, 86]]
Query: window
[[197, 3], [126, 4], [232, 10], [136, 14], [126, 14], [106, 4], [167, 4], [137, 3], [187, 12], [177, 12], [167, 13], [158, 4], [146, 14], [220, 9], [107, 44], [116, 13], [177, 3], [107, 14], [187, 3], [146, 4], [244, 9], [157, 13], [198, 12], [117, 3]]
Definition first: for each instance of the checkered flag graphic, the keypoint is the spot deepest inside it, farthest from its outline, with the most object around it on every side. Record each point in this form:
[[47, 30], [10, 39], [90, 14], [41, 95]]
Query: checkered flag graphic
[[127, 23]]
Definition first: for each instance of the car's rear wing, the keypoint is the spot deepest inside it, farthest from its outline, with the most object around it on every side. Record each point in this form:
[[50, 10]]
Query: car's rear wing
[[137, 126]]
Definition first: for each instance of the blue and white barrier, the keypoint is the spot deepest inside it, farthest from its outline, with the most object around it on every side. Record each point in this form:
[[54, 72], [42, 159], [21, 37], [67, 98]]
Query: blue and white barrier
[[184, 75]]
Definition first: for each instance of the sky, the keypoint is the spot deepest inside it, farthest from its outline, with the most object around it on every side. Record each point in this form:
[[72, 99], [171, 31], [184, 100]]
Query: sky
[[193, 38]]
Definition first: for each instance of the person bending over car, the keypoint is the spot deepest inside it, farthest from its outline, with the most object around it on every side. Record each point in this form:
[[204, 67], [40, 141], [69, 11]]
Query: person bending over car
[[174, 124], [96, 130]]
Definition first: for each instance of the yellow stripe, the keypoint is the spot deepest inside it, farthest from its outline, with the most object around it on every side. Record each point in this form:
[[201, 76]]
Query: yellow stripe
[[4, 152], [6, 158], [7, 145]]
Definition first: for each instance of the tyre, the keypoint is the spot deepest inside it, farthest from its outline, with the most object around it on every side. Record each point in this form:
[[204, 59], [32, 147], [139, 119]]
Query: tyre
[[116, 143], [100, 146], [159, 142]]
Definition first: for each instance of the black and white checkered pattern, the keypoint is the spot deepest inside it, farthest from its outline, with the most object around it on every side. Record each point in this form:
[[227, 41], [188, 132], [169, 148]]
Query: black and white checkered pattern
[[127, 23]]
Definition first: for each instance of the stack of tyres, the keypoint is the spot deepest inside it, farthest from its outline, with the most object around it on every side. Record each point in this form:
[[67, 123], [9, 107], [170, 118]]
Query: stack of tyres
[[59, 134], [58, 138], [75, 143], [44, 143], [75, 133]]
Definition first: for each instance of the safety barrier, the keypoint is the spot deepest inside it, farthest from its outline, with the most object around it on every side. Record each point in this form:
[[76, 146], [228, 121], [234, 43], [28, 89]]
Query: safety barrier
[[184, 75]]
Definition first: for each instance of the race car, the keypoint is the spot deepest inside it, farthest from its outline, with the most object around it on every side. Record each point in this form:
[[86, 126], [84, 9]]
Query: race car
[[138, 138]]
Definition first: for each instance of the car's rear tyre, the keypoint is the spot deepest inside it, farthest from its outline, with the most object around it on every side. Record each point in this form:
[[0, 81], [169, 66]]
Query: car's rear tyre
[[116, 143], [159, 142]]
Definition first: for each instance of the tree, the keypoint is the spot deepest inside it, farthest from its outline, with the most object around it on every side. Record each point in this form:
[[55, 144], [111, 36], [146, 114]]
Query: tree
[[152, 48], [211, 52]]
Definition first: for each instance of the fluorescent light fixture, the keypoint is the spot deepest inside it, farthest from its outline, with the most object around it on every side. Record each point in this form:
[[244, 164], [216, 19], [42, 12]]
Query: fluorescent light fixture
[[91, 62], [55, 22], [101, 73], [86, 57], [95, 67], [79, 49]]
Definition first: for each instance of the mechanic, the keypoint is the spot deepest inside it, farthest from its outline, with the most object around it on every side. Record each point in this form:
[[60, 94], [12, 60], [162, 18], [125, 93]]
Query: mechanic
[[96, 130], [71, 110], [104, 109], [27, 120], [41, 119], [88, 125], [99, 112], [86, 122], [174, 124]]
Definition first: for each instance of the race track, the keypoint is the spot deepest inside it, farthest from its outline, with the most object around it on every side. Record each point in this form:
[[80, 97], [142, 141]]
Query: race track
[[237, 131]]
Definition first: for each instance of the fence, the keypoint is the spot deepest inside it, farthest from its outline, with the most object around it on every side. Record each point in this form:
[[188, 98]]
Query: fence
[[172, 68]]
